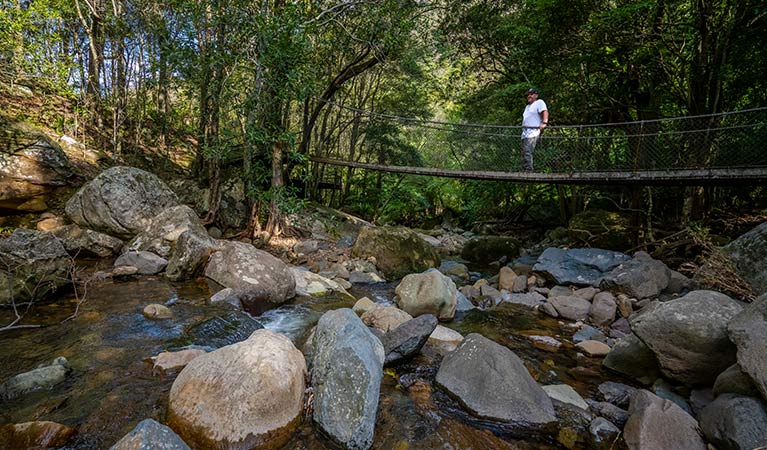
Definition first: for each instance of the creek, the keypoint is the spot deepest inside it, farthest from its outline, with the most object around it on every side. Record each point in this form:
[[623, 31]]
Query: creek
[[112, 388]]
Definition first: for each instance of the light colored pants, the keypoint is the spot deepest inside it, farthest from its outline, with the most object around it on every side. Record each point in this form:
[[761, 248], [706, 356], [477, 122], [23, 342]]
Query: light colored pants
[[528, 147]]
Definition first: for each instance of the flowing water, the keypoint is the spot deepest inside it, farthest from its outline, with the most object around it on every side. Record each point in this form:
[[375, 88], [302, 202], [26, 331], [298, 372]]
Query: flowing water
[[111, 387]]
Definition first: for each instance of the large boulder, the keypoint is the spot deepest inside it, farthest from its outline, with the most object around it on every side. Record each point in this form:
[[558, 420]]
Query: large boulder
[[347, 373], [397, 251], [748, 330], [31, 167], [81, 241], [121, 201], [150, 435], [491, 382], [749, 255], [32, 264], [689, 335], [243, 396], [659, 424], [259, 280], [579, 266], [641, 277], [165, 229], [631, 357], [485, 249], [429, 292], [190, 252], [733, 422]]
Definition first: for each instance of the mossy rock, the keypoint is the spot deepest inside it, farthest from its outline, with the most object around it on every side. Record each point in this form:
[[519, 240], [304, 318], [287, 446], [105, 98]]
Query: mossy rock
[[397, 251], [601, 229], [485, 249]]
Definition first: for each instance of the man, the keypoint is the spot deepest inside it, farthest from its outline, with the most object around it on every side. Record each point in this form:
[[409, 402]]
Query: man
[[534, 120]]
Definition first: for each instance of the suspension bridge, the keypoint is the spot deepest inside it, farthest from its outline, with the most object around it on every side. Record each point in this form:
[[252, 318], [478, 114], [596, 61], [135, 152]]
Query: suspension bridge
[[717, 149]]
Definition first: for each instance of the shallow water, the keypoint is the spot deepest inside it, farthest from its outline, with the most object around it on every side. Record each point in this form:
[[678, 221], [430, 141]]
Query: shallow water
[[111, 387]]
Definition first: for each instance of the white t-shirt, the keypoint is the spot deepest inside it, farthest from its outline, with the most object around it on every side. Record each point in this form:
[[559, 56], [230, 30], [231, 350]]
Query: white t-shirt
[[532, 118]]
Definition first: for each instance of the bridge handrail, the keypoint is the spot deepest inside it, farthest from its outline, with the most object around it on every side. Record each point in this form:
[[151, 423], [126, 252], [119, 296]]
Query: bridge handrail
[[416, 120]]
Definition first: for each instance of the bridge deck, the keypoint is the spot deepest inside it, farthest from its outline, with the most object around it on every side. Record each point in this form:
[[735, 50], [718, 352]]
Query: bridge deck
[[672, 177]]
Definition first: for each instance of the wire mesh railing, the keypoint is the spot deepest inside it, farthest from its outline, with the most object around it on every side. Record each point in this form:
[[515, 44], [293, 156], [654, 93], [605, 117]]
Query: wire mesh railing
[[726, 140]]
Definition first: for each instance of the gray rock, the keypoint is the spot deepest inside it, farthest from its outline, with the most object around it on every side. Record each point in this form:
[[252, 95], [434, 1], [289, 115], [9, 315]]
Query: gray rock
[[689, 335], [157, 312], [749, 255], [429, 292], [699, 399], [189, 254], [663, 389], [407, 339], [586, 293], [260, 280], [603, 307], [611, 412], [307, 247], [560, 291], [529, 299], [618, 394], [603, 433], [348, 368], [631, 357], [734, 381], [621, 325], [659, 424], [32, 264], [166, 228], [456, 271], [549, 309], [150, 435], [588, 333], [364, 277], [491, 382], [641, 277], [121, 201], [80, 241], [397, 251], [44, 377], [748, 330], [565, 394], [520, 284], [733, 422], [32, 166], [224, 295], [580, 266], [573, 308], [147, 263], [488, 291], [462, 303], [678, 283]]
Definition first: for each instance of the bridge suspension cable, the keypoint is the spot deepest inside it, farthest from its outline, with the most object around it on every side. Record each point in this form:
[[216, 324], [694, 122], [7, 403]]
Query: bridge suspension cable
[[722, 148]]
